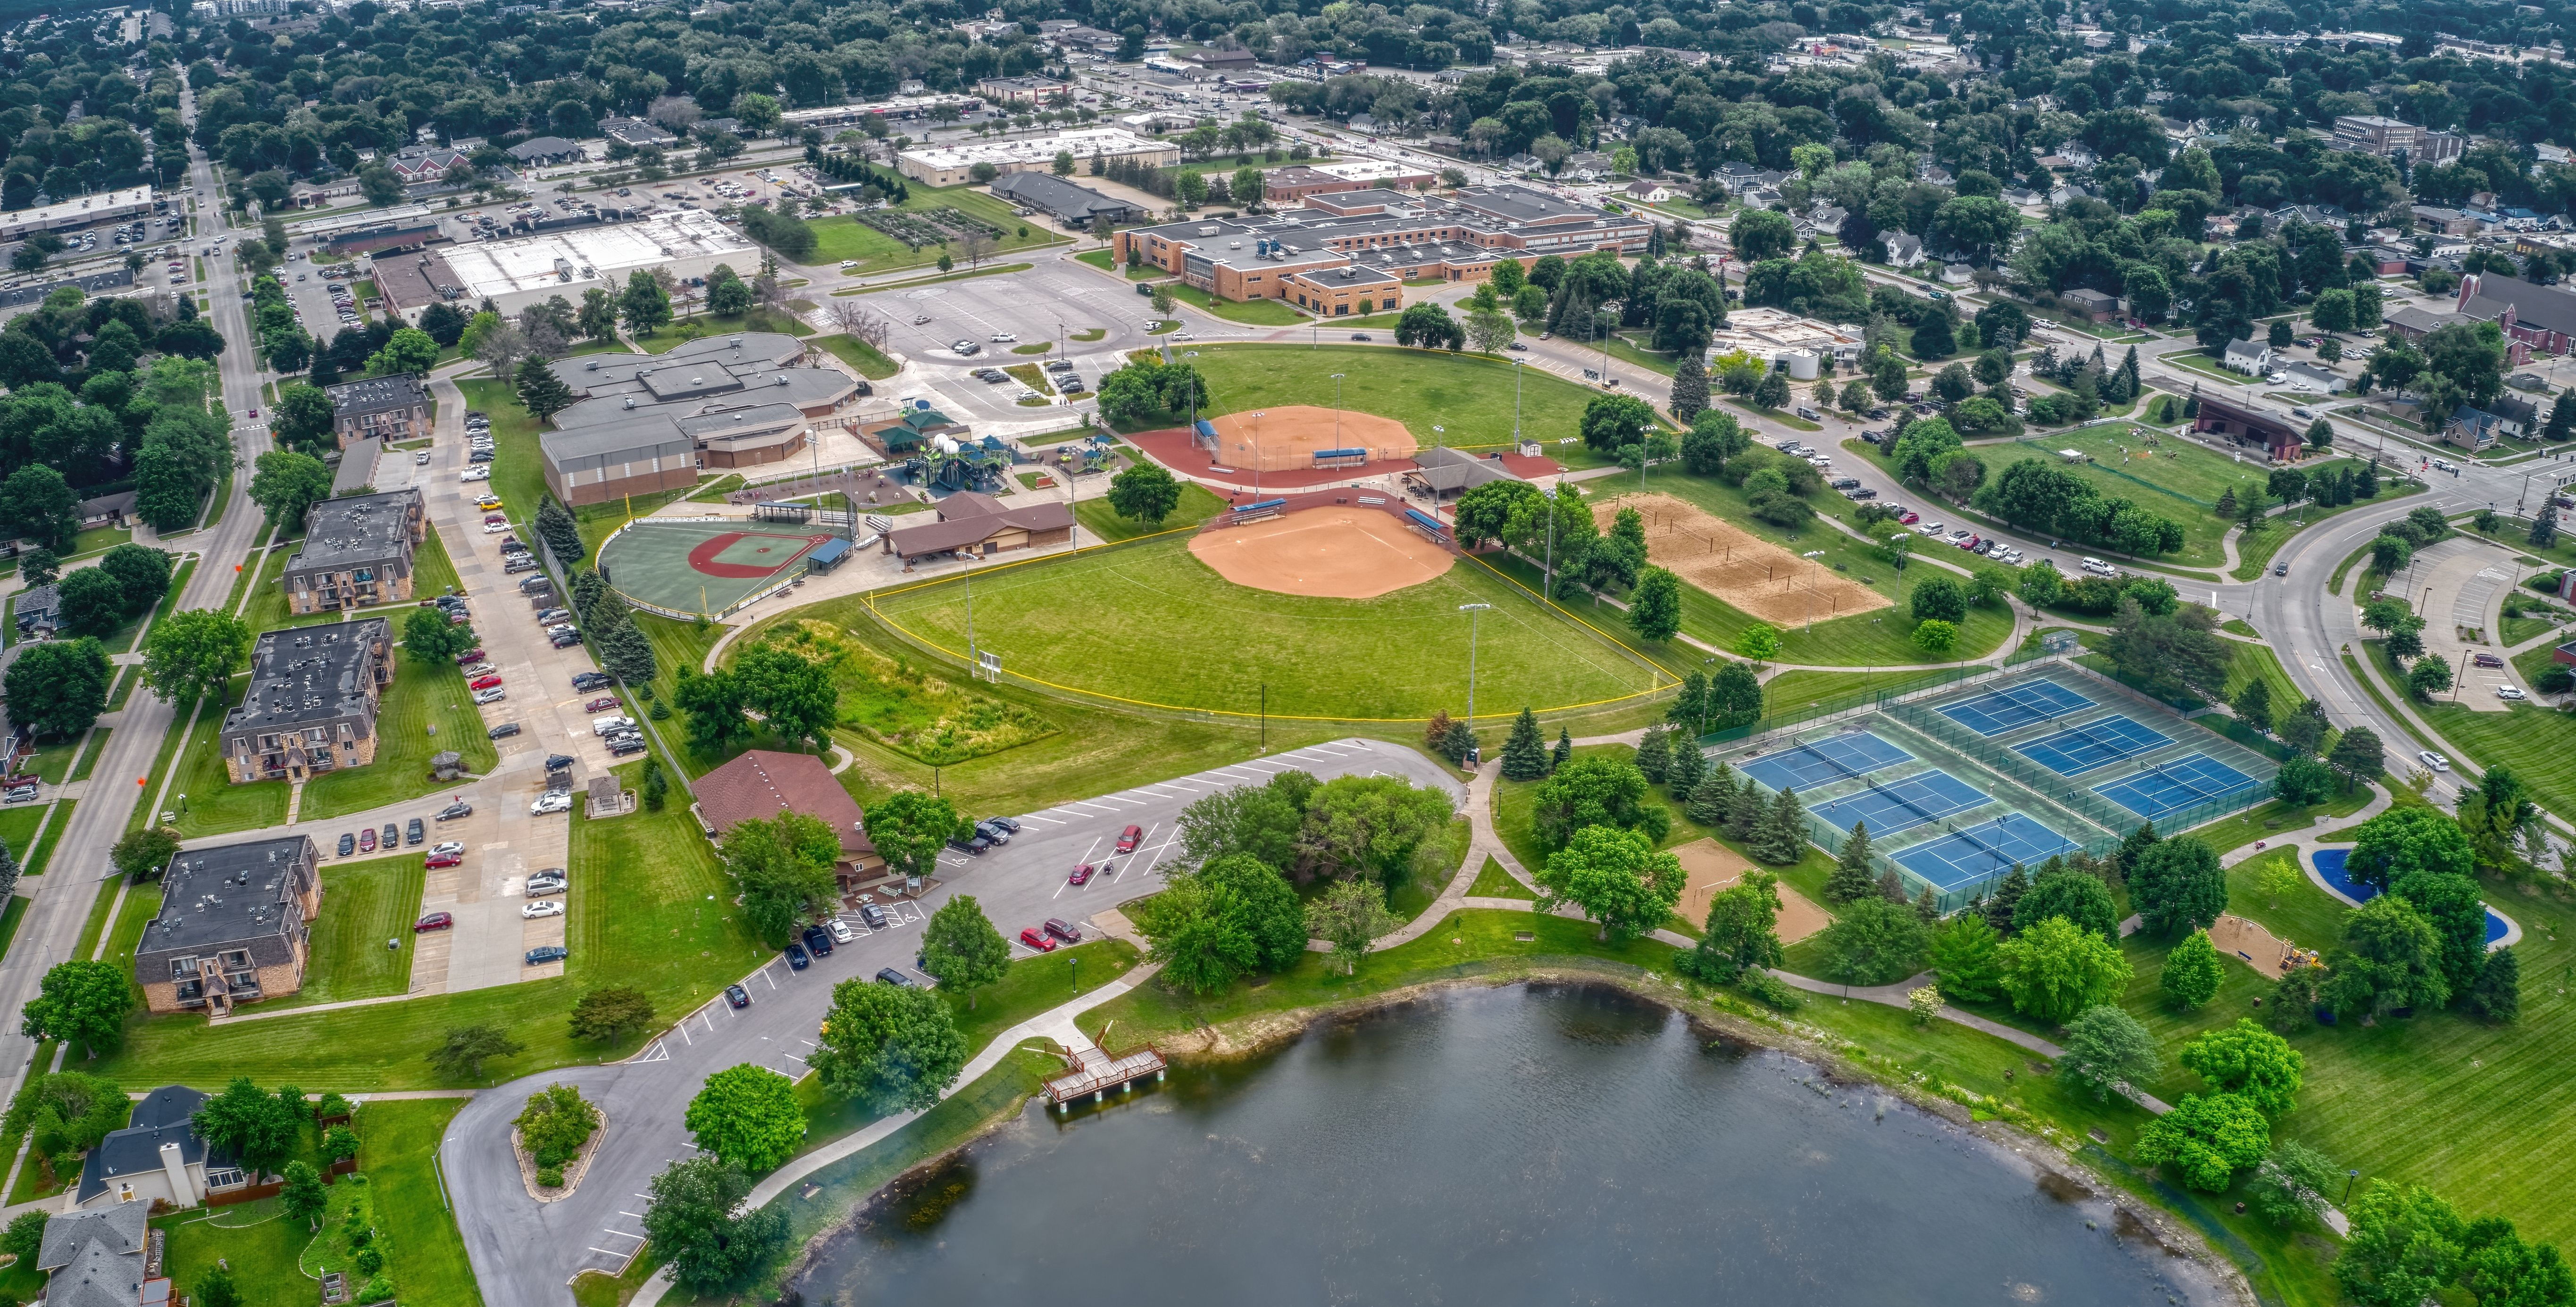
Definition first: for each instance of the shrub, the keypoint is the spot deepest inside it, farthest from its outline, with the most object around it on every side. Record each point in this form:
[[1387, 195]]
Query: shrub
[[549, 1176], [1769, 990]]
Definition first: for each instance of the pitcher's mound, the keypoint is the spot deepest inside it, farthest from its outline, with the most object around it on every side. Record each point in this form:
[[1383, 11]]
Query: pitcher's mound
[[1329, 553]]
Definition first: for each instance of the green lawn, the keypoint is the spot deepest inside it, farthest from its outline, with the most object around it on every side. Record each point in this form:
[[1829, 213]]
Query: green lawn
[[1106, 262], [841, 238], [1470, 396], [256, 1240], [1197, 504], [2254, 551], [1791, 690], [363, 905], [398, 1141], [1492, 882], [1074, 621], [860, 355], [1256, 313], [688, 329], [2178, 479], [1775, 416], [35, 864], [2518, 629], [2257, 661], [18, 829], [518, 469]]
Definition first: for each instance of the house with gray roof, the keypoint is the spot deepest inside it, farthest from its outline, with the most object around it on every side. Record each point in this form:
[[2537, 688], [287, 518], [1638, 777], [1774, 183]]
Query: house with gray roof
[[1061, 199], [157, 1158], [542, 151], [96, 1258]]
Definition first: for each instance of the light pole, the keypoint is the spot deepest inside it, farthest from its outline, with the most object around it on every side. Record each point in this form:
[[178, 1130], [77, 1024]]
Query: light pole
[[1337, 408], [1517, 364], [970, 613], [1475, 616], [1256, 456]]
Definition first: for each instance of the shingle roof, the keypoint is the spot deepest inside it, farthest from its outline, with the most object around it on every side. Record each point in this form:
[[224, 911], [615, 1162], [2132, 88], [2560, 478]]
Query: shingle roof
[[764, 783], [967, 517], [96, 1257]]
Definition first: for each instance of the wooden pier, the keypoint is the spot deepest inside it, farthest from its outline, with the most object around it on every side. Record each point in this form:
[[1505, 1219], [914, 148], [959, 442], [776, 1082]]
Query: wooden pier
[[1102, 1072]]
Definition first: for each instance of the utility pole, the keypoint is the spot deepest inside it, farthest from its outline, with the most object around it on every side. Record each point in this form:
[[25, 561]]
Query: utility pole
[[1517, 364], [1475, 616]]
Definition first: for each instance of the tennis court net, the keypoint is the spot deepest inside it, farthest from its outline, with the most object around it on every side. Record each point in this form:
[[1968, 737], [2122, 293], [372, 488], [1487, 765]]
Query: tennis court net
[[1827, 759], [1908, 804], [2119, 750]]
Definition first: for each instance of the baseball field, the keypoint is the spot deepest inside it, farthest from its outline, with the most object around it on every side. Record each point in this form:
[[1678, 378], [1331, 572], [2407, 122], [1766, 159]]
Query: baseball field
[[1154, 624]]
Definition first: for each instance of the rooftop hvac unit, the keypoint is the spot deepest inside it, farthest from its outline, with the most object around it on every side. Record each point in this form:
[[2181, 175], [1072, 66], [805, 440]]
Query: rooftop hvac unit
[[782, 379], [630, 401]]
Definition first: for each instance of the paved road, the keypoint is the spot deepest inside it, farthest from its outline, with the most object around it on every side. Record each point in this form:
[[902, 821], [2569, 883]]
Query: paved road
[[525, 1253]]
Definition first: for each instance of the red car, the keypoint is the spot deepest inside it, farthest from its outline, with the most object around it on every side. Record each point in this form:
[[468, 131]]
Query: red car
[[367, 840], [489, 518], [1909, 517], [1081, 875], [469, 657], [601, 704], [434, 921], [1037, 939], [438, 860], [484, 682], [1129, 838]]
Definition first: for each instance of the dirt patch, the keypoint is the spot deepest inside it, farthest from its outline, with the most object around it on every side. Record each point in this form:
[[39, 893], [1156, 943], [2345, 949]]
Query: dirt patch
[[1286, 439], [1331, 553], [1747, 571], [1709, 868], [2248, 942]]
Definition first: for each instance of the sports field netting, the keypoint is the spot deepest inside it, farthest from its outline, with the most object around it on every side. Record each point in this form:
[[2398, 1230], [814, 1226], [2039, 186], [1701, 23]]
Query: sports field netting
[[2015, 706], [1817, 762], [2169, 787], [1979, 853], [688, 568], [2094, 745], [1903, 803]]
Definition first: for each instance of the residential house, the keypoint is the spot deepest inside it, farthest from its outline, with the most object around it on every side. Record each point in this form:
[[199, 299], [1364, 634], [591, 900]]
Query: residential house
[[1957, 274], [424, 165], [157, 1158], [2473, 429], [38, 611], [546, 152], [1644, 192], [383, 408], [232, 926], [312, 704], [357, 552], [97, 1259], [2090, 305], [2251, 357], [1904, 250], [980, 526], [763, 783], [1587, 166], [635, 132]]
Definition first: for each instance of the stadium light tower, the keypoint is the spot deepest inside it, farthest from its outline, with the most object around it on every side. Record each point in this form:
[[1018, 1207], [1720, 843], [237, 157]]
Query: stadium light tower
[[1337, 408], [1516, 402], [1475, 617]]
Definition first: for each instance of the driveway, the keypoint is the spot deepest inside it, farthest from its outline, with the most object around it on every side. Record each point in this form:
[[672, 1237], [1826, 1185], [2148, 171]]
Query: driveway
[[524, 1253]]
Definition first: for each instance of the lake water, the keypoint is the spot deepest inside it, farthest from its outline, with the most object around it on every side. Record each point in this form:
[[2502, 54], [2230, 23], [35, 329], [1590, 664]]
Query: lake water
[[1530, 1144]]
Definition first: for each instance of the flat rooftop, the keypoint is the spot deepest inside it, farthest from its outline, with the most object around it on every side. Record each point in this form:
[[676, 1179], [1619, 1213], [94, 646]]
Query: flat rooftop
[[308, 674], [579, 254], [356, 531], [1081, 143], [73, 209], [224, 895]]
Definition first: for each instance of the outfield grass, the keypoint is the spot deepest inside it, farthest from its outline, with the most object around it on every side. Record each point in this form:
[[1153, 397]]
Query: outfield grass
[[1470, 396], [363, 905], [865, 358], [397, 1145], [1197, 504], [1077, 621]]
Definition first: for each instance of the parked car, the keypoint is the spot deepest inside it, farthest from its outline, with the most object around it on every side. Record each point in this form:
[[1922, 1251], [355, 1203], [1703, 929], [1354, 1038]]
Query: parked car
[[1129, 838], [1081, 875], [415, 832], [841, 932], [348, 844], [538, 957], [542, 908], [993, 831], [873, 915], [796, 959], [737, 996], [2486, 660], [503, 731], [437, 861], [604, 703], [817, 943], [367, 840], [451, 812], [2510, 692], [890, 976], [590, 680], [473, 655], [389, 837], [553, 802], [1037, 939], [483, 682], [564, 641], [494, 695], [626, 748], [1064, 930], [547, 883], [434, 921]]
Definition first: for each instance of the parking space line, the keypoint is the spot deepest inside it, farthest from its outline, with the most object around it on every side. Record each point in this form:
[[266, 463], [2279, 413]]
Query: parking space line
[[1048, 820]]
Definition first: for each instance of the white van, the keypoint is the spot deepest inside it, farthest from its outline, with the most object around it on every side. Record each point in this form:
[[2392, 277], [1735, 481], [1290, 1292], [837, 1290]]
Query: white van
[[2099, 568], [611, 724]]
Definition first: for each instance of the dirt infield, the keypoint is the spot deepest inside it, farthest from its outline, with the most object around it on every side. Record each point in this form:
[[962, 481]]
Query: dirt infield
[[1709, 867], [1331, 552], [1753, 574], [1285, 439]]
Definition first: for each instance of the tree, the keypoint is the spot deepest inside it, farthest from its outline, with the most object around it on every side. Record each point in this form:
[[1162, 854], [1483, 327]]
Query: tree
[[1350, 915], [1935, 335], [194, 652], [2391, 959], [781, 866], [2054, 969], [2191, 972], [2403, 1246], [611, 1013], [1772, 390], [1593, 790], [961, 949], [462, 1051], [1759, 642], [259, 1128], [143, 851], [2291, 1185], [2253, 704], [748, 1117], [25, 1237], [1655, 605], [555, 1124], [302, 420], [795, 696], [1938, 597], [408, 350], [1611, 422], [431, 639], [1873, 942], [895, 1048], [1964, 958], [2406, 840], [643, 304], [286, 485], [2496, 995], [304, 1198], [2248, 1061], [2107, 1050], [58, 687], [80, 1002], [1759, 234], [1690, 393], [1525, 749], [1852, 878], [2073, 895], [64, 1113], [1616, 877], [2208, 1138], [215, 1289], [91, 603], [2390, 554], [541, 392], [2178, 885], [1428, 326], [141, 574], [908, 829], [691, 1222], [1145, 492], [561, 534], [1740, 932]]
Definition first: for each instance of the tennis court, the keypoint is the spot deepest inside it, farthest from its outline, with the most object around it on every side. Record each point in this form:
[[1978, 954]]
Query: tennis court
[[2015, 706], [1961, 858], [2168, 787], [1902, 804], [1819, 762], [2094, 745]]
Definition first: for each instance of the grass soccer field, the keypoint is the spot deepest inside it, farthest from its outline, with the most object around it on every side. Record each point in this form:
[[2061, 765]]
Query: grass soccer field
[[700, 567], [1470, 397], [1152, 623]]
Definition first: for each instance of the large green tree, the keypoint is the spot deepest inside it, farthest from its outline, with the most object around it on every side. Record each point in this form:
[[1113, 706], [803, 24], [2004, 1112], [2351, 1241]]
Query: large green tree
[[1144, 492], [2106, 1049], [796, 696], [2403, 1246], [895, 1048], [1616, 877], [2074, 895], [2191, 972], [286, 484], [2178, 885], [260, 1129], [2391, 958], [2407, 839], [1965, 958], [960, 948], [1874, 941], [692, 1223], [2054, 969], [1350, 915], [2208, 1138], [195, 652], [80, 1002], [782, 868], [1741, 930], [908, 828], [747, 1115], [2246, 1060]]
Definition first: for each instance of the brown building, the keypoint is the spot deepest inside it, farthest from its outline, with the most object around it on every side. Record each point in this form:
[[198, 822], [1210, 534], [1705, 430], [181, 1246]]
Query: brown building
[[764, 783], [2248, 426], [1297, 181], [380, 408], [2386, 137], [981, 526], [312, 704], [593, 465], [653, 422], [232, 926], [357, 552]]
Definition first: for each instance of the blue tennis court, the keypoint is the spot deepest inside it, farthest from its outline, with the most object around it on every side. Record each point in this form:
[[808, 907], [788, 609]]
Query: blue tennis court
[[2094, 745], [2015, 706], [2176, 785], [1965, 857], [1903, 803], [1822, 762]]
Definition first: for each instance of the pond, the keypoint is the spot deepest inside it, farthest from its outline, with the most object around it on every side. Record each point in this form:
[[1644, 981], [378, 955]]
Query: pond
[[1527, 1144]]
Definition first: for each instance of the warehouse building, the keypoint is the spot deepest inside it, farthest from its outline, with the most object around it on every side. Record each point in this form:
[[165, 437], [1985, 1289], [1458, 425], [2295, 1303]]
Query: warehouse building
[[514, 274], [78, 211], [954, 165]]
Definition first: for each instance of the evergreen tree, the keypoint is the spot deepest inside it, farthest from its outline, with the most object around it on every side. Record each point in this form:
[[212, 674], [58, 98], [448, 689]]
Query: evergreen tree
[[556, 527], [1655, 754], [1777, 835], [1927, 905], [2227, 504], [1999, 909], [1690, 707], [1690, 387], [1890, 886], [1457, 743], [2544, 527], [2562, 417], [2497, 992], [2135, 845], [586, 590], [1525, 750], [1688, 766], [542, 392], [2129, 374], [1852, 879], [1564, 749], [1714, 797], [623, 650]]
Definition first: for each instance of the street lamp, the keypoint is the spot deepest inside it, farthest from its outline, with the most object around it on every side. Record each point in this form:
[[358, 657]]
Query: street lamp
[[1517, 364], [1256, 455], [1475, 616], [1337, 408]]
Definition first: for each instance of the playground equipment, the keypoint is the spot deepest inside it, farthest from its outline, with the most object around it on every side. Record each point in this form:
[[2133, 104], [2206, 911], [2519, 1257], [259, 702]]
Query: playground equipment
[[1090, 455], [948, 463]]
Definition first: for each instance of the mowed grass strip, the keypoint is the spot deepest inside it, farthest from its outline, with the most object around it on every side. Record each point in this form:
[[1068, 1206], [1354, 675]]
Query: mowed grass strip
[[1151, 623], [1468, 395], [397, 1142], [363, 905]]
